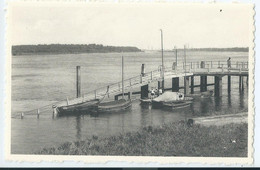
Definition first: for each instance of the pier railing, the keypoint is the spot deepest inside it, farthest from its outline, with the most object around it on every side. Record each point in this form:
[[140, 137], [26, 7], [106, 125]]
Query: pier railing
[[179, 70]]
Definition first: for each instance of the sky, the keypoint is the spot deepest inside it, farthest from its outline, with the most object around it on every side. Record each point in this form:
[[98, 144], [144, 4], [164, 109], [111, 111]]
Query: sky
[[132, 24]]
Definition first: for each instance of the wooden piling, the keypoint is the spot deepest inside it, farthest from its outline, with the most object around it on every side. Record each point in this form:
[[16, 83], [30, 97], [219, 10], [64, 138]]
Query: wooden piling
[[22, 115], [143, 69], [203, 83], [229, 84], [144, 91], [218, 86], [186, 85], [203, 79], [192, 84], [67, 101], [129, 95], [78, 81], [175, 84], [54, 111]]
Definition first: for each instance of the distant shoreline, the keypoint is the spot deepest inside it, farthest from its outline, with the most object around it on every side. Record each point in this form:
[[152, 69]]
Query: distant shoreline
[[69, 49], [55, 49]]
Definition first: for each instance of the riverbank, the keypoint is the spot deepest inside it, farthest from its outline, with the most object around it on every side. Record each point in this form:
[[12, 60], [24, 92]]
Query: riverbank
[[174, 139]]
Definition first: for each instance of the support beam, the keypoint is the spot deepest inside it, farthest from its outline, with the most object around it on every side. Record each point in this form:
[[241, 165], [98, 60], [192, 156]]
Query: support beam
[[186, 85], [175, 84], [192, 84], [218, 86], [229, 84], [203, 83], [144, 91]]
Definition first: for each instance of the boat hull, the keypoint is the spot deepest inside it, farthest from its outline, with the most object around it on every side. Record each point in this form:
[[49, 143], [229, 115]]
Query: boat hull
[[77, 108], [177, 104], [114, 106]]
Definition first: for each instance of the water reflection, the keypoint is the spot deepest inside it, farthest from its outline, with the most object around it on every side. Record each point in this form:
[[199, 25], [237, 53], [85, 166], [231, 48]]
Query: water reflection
[[229, 100], [241, 99], [218, 103], [78, 127]]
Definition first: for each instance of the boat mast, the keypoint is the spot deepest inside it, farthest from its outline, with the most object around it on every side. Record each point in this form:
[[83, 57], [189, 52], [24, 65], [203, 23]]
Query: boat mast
[[162, 54], [185, 59], [176, 55], [123, 91]]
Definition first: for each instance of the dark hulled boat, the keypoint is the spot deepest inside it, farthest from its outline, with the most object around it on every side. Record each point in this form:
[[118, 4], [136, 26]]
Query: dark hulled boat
[[77, 108]]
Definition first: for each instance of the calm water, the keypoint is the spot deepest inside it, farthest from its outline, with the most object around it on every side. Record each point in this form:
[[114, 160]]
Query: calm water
[[41, 80]]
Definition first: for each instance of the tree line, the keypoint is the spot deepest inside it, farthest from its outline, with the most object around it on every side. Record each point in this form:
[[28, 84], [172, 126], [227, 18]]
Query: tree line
[[69, 49]]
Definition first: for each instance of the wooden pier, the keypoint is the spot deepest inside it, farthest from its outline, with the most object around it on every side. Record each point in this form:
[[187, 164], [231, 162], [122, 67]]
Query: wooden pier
[[203, 69]]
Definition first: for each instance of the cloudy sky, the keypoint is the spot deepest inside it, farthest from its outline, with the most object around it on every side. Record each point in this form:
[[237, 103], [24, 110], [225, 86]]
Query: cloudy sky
[[126, 24]]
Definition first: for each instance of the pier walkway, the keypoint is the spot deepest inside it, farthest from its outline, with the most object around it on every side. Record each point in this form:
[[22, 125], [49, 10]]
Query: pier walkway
[[202, 69]]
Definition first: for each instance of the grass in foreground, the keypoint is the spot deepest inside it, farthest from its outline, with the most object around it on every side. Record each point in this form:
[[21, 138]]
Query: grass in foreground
[[175, 139]]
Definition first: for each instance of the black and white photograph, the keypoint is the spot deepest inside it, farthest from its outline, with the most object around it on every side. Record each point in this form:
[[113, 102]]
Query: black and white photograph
[[132, 80]]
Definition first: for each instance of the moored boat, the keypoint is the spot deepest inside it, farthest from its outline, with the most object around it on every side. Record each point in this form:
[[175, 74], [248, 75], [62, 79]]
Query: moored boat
[[177, 104], [146, 101], [114, 106], [77, 108], [171, 99]]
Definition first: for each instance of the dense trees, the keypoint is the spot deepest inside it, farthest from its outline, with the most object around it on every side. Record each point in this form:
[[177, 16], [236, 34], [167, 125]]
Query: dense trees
[[69, 49]]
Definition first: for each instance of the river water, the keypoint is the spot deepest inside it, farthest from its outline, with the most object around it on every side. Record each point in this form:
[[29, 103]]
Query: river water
[[39, 80]]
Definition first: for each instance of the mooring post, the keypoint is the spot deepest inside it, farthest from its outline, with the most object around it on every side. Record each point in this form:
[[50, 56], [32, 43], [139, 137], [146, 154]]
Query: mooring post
[[229, 84], [192, 84], [38, 113], [218, 86], [186, 85], [67, 101], [143, 69], [78, 81], [175, 84], [129, 95], [144, 91], [22, 115]]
